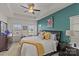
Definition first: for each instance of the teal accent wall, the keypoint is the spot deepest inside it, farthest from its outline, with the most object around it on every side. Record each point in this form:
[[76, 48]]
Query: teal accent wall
[[61, 20]]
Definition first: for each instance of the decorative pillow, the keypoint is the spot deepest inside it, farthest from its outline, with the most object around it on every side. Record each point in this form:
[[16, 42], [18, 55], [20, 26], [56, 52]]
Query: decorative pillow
[[41, 35], [53, 36], [47, 35]]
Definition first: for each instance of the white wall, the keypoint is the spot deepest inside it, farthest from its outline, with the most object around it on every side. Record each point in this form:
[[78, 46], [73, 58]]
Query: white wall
[[3, 18], [12, 21], [22, 22]]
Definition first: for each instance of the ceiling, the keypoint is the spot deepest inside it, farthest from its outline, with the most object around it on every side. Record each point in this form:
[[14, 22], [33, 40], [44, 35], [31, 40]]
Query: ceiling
[[14, 10]]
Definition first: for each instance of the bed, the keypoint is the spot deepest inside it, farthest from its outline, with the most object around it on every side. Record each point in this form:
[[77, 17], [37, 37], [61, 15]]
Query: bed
[[45, 46]]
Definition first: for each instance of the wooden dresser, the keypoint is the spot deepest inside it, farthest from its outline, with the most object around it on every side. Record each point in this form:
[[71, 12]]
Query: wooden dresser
[[3, 43]]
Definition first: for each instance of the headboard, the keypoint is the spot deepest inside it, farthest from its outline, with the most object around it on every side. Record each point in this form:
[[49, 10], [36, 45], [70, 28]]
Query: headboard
[[58, 34]]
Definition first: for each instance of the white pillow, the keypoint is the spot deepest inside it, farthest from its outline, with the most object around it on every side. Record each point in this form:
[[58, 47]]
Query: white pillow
[[40, 36], [53, 36]]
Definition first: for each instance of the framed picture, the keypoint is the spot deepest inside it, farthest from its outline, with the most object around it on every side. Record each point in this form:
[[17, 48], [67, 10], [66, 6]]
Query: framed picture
[[25, 27], [50, 22]]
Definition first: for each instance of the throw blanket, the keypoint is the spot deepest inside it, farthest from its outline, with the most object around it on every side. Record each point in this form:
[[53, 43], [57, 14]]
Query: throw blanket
[[39, 46]]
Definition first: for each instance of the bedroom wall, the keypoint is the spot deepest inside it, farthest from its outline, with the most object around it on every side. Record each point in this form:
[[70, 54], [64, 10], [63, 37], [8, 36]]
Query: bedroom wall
[[3, 18], [61, 20], [12, 21]]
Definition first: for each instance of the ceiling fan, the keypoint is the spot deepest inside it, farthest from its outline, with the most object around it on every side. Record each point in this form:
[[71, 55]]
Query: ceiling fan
[[30, 8]]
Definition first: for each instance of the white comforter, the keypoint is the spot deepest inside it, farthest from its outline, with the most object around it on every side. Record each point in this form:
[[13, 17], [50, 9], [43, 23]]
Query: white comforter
[[30, 50]]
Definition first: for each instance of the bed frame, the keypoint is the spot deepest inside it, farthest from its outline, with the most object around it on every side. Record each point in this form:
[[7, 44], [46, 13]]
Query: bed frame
[[58, 37]]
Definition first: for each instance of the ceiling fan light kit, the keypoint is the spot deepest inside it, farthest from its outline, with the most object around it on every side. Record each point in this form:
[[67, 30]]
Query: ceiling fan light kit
[[31, 8]]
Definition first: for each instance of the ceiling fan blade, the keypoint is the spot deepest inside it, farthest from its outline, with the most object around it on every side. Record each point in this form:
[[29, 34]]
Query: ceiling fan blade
[[24, 7], [36, 10]]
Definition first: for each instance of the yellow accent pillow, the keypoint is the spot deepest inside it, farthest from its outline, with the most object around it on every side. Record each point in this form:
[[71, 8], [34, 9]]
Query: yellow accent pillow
[[47, 35]]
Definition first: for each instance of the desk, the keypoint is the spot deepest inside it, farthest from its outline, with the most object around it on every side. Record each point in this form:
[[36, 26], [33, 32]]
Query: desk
[[70, 51], [3, 43], [75, 47]]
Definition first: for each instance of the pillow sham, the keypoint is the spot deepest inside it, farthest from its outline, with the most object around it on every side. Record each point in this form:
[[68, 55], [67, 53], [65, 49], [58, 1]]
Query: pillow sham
[[53, 36], [47, 35], [41, 35]]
